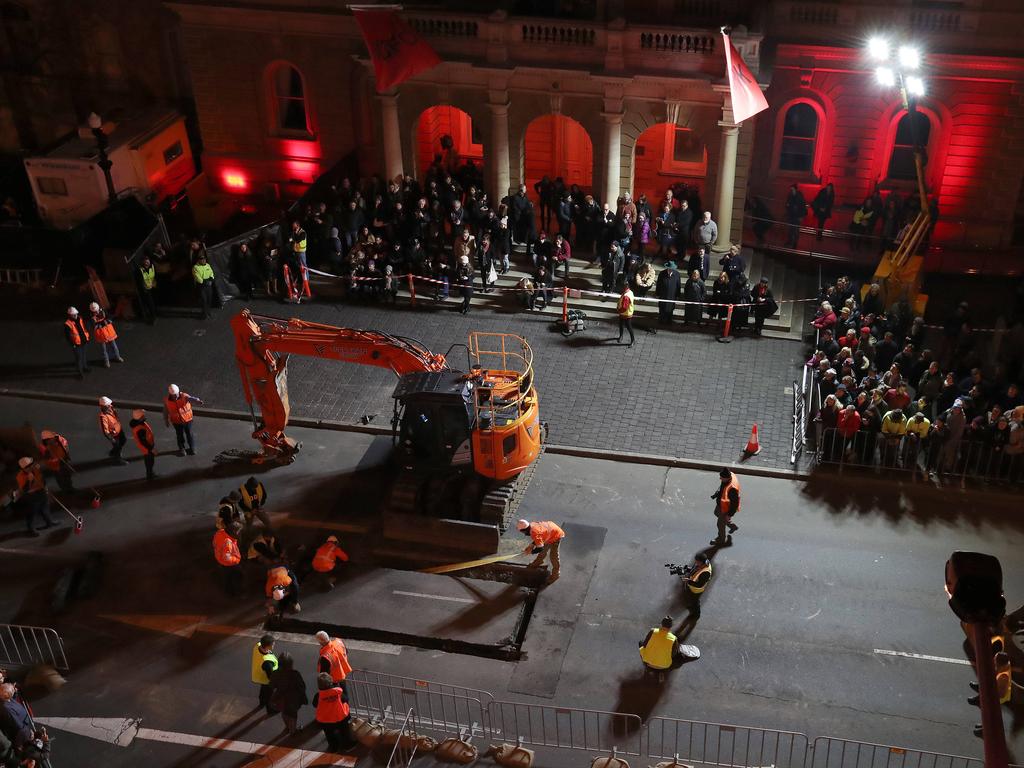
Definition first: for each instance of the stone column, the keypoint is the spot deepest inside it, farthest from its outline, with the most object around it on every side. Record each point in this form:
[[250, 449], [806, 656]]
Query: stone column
[[393, 165], [497, 159], [722, 213], [612, 156]]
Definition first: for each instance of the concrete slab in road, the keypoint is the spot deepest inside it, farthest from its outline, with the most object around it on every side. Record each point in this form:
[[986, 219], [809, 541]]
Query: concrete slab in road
[[473, 616]]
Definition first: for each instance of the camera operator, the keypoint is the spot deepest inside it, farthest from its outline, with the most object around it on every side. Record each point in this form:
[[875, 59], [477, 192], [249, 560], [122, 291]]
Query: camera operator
[[696, 576]]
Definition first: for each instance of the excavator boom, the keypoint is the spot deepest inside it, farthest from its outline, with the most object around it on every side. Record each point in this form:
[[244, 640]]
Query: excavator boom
[[262, 346]]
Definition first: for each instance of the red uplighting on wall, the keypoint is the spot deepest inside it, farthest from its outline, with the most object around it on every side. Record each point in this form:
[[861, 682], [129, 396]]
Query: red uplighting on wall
[[235, 180]]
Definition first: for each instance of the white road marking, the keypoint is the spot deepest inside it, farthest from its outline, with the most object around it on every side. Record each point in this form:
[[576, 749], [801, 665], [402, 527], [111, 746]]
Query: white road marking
[[433, 597], [922, 656], [34, 553], [123, 731], [813, 615]]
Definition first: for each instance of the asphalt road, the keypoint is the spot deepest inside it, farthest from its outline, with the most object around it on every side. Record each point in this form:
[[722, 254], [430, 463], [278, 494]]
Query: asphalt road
[[821, 577]]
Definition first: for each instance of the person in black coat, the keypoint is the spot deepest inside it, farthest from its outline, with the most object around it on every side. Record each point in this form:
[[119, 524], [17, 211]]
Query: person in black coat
[[822, 206], [694, 291], [668, 288], [741, 298], [764, 304], [796, 209], [288, 691], [721, 293]]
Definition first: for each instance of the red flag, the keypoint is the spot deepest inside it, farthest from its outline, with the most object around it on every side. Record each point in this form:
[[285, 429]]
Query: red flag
[[396, 49], [746, 94]]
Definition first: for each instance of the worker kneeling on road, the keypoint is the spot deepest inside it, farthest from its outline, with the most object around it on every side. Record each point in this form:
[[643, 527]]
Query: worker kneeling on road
[[659, 649], [545, 538], [327, 556], [282, 590]]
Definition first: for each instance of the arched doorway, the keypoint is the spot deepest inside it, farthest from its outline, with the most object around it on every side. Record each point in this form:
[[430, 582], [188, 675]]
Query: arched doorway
[[556, 145], [447, 135], [668, 155]]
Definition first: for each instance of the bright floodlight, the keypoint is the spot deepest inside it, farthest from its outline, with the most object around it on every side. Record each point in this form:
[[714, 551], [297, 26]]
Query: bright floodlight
[[878, 48], [915, 86], [885, 77], [910, 57]]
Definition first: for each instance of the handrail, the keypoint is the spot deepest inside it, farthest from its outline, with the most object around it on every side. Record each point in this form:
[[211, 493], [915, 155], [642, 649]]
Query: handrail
[[398, 742], [799, 420]]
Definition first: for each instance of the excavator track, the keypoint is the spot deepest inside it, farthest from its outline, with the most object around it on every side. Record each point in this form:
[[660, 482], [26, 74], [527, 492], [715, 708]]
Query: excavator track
[[500, 505]]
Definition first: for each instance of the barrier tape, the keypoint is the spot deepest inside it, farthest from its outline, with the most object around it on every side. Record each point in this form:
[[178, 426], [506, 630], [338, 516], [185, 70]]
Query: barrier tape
[[973, 330], [574, 293]]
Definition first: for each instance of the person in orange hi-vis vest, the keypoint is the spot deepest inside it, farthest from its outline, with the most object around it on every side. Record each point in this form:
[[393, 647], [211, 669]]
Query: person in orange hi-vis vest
[[77, 336], [327, 556], [229, 557], [143, 434], [110, 426], [178, 413], [727, 504], [56, 458], [32, 495], [545, 538], [282, 589], [333, 657], [104, 333]]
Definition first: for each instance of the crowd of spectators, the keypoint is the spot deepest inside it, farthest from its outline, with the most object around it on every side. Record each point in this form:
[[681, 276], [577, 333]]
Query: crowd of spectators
[[446, 228], [886, 398]]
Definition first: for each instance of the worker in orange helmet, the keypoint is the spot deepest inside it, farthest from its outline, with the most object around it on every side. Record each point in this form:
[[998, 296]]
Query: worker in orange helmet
[[545, 537], [56, 458], [327, 556]]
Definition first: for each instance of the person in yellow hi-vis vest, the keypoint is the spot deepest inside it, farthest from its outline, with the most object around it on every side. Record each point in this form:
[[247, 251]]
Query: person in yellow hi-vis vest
[[264, 662], [659, 649]]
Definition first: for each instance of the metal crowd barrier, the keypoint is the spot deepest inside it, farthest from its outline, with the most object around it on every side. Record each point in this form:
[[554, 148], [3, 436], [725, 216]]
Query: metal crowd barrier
[[438, 713], [964, 459], [23, 646], [724, 745], [543, 725], [841, 753], [441, 710]]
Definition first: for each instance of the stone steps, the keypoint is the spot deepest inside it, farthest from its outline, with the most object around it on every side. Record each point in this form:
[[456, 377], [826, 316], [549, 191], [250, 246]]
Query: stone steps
[[785, 283]]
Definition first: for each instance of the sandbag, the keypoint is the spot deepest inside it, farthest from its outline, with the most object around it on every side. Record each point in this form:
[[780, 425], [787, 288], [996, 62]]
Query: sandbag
[[408, 740], [608, 761], [455, 750], [510, 755], [671, 764], [366, 733]]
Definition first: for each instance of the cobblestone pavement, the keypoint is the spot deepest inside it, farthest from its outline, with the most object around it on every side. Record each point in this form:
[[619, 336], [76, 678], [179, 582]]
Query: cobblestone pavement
[[676, 393]]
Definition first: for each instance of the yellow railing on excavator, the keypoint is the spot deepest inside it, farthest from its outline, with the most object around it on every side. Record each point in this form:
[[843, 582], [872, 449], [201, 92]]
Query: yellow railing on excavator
[[507, 364]]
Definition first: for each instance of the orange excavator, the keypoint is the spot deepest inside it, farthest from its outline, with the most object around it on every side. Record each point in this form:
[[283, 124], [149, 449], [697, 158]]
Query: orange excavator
[[466, 443]]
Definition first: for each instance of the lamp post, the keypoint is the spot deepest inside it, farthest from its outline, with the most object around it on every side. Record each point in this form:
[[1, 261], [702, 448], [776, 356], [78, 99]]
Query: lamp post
[[899, 66], [102, 142]]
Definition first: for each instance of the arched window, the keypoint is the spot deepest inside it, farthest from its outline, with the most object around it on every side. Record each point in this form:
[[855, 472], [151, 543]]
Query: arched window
[[901, 161], [799, 138], [289, 99]]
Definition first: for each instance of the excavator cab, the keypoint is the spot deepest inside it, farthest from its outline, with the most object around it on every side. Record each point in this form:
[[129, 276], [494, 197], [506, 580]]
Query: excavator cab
[[432, 424]]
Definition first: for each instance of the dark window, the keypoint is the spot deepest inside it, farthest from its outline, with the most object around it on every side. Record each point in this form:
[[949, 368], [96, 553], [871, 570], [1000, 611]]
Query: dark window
[[901, 162], [52, 185], [799, 138], [474, 134], [173, 152], [291, 99], [508, 445], [688, 148]]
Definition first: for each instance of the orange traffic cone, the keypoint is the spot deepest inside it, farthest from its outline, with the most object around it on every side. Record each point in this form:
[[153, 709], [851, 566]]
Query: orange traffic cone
[[753, 446]]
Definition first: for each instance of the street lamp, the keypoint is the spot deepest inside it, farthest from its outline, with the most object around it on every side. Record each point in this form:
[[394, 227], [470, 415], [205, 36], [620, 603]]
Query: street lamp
[[95, 123]]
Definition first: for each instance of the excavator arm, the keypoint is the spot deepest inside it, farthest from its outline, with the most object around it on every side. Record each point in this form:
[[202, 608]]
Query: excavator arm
[[262, 347]]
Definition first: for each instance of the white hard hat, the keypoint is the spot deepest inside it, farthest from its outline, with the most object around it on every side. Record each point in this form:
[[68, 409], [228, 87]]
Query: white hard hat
[[522, 525], [73, 311], [173, 389], [278, 593], [94, 307], [333, 538], [138, 413], [25, 461], [106, 401], [47, 434]]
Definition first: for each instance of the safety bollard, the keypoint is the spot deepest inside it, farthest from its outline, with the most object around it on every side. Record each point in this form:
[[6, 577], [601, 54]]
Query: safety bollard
[[565, 306], [725, 338], [412, 290]]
